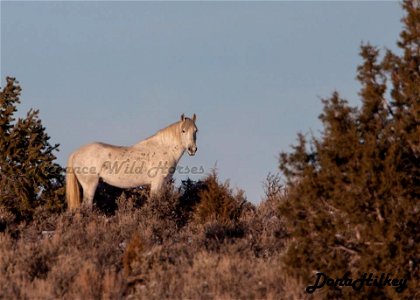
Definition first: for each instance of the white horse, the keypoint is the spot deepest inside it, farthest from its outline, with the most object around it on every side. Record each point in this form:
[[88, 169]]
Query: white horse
[[149, 162]]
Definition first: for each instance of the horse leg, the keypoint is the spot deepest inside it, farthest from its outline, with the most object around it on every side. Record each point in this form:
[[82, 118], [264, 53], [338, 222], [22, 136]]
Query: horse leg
[[155, 187], [159, 185], [89, 185]]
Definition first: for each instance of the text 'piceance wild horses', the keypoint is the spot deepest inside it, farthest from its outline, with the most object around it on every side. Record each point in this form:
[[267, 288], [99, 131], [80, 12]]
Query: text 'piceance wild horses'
[[148, 162]]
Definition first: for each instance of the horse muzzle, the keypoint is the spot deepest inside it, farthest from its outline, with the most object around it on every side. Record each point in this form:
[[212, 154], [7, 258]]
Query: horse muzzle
[[192, 150]]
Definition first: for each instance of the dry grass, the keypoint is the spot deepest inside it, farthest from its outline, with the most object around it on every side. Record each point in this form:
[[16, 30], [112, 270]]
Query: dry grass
[[202, 242]]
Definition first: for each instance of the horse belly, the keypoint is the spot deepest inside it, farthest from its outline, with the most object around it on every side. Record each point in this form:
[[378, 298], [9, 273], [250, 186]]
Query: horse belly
[[125, 175]]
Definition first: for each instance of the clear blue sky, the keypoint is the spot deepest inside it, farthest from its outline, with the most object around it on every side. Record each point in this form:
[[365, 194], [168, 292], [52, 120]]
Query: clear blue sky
[[253, 72]]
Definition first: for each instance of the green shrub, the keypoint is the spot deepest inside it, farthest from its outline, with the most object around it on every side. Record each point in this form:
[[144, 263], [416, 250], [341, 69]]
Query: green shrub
[[29, 177], [353, 201]]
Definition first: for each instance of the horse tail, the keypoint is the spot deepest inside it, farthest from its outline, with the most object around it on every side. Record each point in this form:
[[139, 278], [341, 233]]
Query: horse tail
[[72, 186]]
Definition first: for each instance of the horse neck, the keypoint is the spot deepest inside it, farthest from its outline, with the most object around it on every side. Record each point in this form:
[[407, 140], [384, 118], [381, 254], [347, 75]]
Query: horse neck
[[168, 138]]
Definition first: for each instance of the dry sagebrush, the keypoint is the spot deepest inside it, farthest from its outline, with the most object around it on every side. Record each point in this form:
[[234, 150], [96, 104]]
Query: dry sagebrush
[[202, 241]]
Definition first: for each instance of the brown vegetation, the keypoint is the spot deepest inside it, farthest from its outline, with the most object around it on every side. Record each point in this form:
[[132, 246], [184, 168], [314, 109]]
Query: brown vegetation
[[169, 247]]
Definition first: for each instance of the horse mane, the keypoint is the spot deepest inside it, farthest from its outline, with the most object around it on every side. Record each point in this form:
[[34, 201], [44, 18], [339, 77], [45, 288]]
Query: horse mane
[[168, 134]]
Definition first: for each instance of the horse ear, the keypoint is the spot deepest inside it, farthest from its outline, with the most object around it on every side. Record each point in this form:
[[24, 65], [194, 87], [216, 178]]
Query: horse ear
[[194, 118], [182, 117]]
